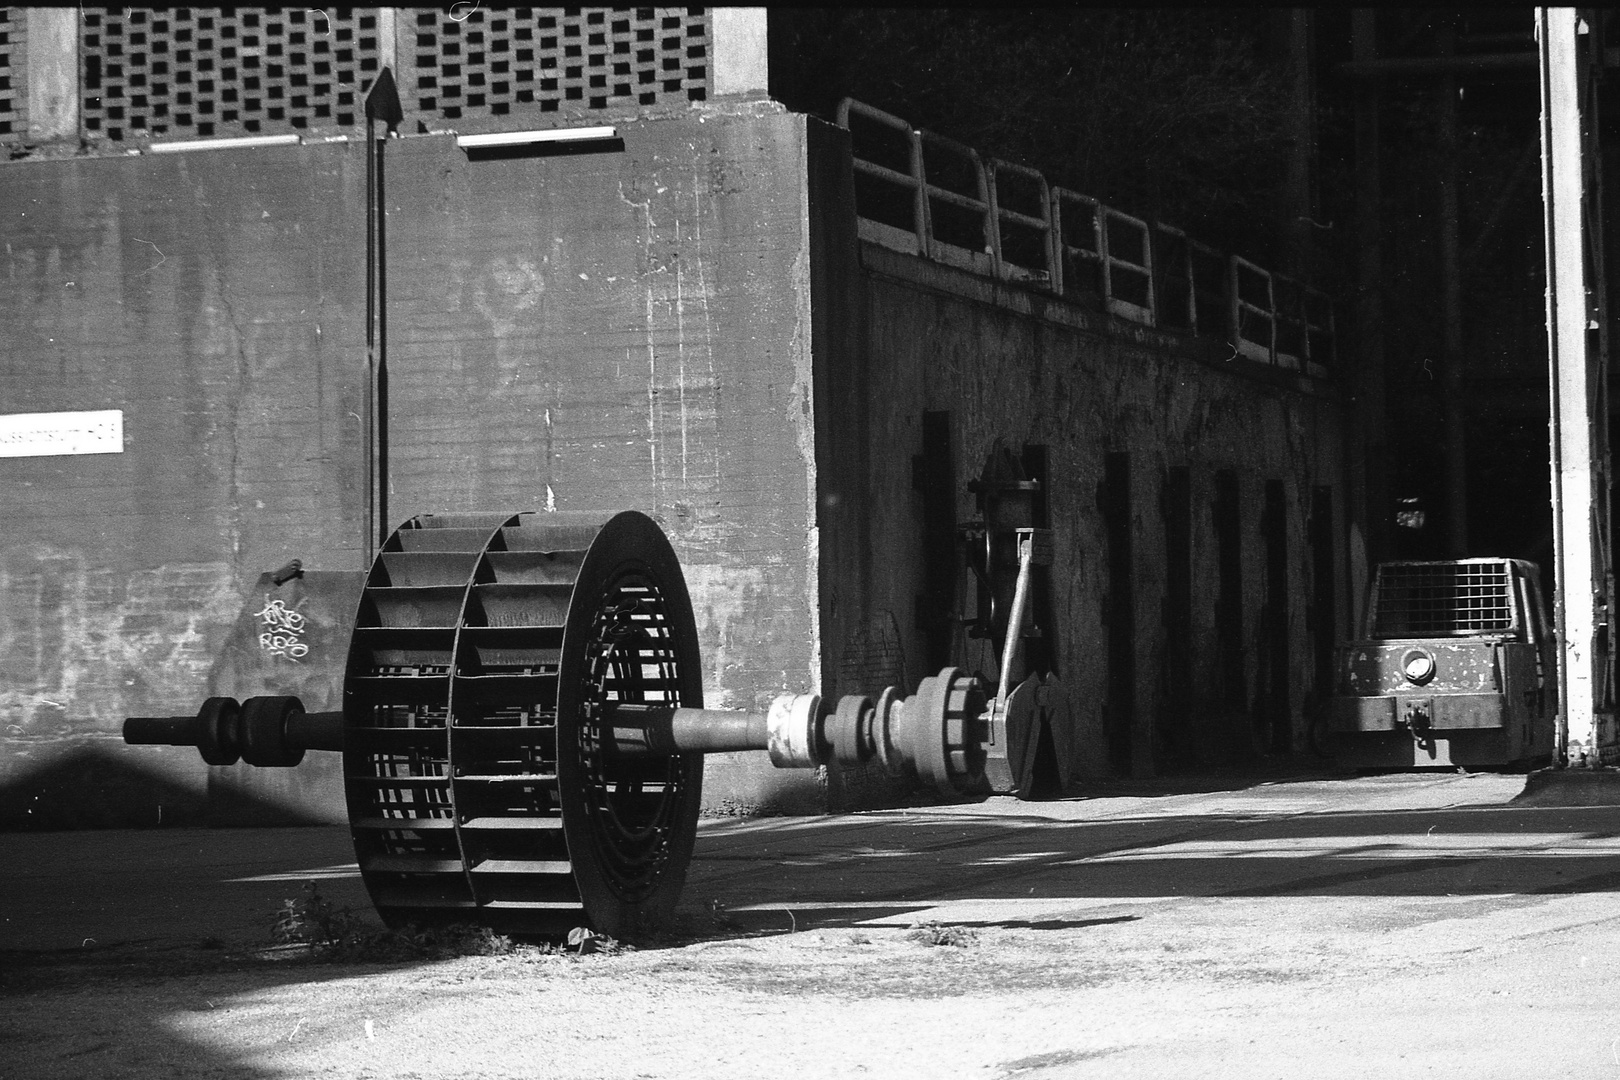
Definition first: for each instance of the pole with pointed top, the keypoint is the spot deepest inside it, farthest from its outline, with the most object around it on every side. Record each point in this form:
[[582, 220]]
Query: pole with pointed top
[[382, 103]]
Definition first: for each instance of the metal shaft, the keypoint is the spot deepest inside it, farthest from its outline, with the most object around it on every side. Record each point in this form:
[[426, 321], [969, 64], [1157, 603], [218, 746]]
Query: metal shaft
[[661, 729], [223, 730], [935, 731], [315, 731], [162, 730]]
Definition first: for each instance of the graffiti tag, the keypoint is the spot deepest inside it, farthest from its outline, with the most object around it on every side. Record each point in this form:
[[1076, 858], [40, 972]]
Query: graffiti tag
[[283, 630]]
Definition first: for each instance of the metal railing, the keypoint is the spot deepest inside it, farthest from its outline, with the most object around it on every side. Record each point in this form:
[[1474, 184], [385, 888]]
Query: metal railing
[[925, 194], [1021, 241]]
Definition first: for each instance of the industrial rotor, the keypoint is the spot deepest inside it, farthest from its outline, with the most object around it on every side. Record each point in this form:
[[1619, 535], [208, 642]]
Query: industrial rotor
[[523, 727]]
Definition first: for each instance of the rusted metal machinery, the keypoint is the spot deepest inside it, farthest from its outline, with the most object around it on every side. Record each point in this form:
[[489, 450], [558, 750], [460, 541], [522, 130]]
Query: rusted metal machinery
[[523, 723], [1004, 547], [1454, 667]]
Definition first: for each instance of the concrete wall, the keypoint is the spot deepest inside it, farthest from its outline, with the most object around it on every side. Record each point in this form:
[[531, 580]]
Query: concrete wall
[[627, 331], [216, 300], [689, 326], [904, 335], [578, 332]]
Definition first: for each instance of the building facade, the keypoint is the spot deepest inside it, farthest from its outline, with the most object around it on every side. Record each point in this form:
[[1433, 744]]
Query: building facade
[[722, 318]]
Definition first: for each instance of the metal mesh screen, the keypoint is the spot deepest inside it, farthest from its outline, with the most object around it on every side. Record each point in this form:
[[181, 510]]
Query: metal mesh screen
[[205, 72], [1442, 599], [485, 62], [13, 72]]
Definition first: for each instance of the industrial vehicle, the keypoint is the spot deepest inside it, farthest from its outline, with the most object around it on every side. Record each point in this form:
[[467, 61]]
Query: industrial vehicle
[[1455, 666]]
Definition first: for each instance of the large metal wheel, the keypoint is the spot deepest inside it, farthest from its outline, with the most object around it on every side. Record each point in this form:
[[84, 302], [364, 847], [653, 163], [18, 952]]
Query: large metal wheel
[[480, 782], [630, 821]]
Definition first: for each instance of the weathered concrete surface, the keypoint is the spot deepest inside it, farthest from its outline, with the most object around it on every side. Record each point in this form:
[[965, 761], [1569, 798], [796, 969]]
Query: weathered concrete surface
[[212, 300], [689, 327], [898, 335], [289, 639], [1571, 787], [612, 331], [1399, 926]]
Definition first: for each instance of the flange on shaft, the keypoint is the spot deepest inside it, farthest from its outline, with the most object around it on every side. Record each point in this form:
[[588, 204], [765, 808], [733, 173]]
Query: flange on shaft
[[265, 731], [938, 732]]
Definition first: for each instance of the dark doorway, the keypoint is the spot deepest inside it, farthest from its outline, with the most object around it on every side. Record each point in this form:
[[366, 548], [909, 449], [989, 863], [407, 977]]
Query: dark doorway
[[1322, 617], [1175, 504], [933, 475], [1041, 649], [1274, 529], [1229, 597], [1119, 609]]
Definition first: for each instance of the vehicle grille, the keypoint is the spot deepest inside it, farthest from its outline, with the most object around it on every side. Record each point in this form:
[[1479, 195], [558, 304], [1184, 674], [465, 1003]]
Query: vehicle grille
[[1425, 599]]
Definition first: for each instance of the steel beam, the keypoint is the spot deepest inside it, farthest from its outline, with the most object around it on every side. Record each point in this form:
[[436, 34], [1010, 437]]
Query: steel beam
[[1578, 367]]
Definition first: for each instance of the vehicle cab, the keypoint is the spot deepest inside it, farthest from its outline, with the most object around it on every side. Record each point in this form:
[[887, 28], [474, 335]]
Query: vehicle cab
[[1455, 666]]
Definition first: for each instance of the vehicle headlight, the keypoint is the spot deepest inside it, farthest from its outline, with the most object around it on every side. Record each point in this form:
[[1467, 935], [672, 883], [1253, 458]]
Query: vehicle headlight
[[1418, 667]]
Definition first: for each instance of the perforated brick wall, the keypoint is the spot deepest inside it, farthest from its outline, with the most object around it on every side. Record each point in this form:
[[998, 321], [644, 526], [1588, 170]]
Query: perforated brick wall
[[13, 73], [201, 72], [485, 62], [209, 72]]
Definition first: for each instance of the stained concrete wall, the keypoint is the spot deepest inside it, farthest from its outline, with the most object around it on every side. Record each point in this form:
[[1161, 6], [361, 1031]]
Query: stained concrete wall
[[579, 332], [213, 299], [689, 327], [898, 335]]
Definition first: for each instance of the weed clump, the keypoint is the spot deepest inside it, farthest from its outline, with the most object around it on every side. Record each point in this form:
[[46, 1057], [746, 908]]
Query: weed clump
[[933, 933], [312, 920], [337, 935]]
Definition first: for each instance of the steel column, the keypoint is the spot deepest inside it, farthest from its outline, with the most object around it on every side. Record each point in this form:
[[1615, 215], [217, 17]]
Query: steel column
[[1370, 508], [1453, 388], [1577, 348]]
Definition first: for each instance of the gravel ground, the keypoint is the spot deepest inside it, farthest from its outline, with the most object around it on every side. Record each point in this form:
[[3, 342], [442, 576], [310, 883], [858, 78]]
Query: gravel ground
[[1396, 929]]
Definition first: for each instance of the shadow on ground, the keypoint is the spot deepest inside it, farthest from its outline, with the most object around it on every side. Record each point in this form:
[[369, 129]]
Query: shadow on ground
[[914, 863], [166, 912]]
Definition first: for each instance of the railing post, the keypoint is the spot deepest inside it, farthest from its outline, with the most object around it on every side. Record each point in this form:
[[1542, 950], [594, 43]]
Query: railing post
[[919, 199], [1099, 220], [1271, 303], [1192, 290], [1054, 248], [1233, 307], [1152, 285], [1054, 212], [992, 213]]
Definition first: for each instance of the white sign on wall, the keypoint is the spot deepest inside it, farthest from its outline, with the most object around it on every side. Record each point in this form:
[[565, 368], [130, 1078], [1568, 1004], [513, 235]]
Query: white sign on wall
[[47, 433]]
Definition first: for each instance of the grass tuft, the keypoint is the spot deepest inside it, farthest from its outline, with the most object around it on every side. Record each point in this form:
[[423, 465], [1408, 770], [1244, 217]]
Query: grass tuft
[[335, 934], [933, 933]]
